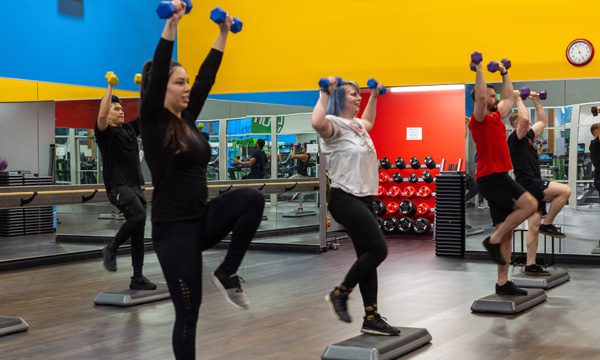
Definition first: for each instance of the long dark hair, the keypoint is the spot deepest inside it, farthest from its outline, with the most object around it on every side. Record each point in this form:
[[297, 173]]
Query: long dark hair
[[178, 133]]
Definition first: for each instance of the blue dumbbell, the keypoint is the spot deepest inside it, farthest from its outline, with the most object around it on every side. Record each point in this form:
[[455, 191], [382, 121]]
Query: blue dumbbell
[[372, 84], [324, 82], [166, 9], [219, 16]]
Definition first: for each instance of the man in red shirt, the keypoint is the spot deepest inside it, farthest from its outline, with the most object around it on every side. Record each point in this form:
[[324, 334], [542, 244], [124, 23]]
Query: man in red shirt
[[510, 204]]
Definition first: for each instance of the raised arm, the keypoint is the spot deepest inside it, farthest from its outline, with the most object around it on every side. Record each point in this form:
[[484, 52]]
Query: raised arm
[[480, 101], [104, 110], [301, 157], [542, 118], [368, 116], [321, 125], [507, 98], [523, 119]]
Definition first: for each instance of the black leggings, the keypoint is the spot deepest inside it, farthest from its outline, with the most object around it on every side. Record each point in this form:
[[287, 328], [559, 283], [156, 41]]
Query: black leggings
[[357, 216], [179, 247]]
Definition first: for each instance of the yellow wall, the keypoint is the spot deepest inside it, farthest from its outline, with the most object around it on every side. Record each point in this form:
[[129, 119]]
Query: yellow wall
[[288, 45]]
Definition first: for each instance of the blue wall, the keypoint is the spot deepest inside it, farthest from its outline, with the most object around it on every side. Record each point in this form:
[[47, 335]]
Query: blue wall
[[300, 98]]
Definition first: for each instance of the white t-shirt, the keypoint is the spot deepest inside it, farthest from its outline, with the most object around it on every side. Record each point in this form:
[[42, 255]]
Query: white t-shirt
[[351, 157]]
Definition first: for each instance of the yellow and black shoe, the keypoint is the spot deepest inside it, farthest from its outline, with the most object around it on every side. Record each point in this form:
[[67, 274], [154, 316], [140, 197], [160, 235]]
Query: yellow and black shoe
[[338, 304], [377, 325]]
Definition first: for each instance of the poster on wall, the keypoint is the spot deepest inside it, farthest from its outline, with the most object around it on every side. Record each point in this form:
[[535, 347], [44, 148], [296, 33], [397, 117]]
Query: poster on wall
[[414, 133]]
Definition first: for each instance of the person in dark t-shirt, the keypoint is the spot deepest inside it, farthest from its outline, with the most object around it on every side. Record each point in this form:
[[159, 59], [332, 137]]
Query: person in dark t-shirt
[[595, 153], [526, 167], [123, 181], [257, 162]]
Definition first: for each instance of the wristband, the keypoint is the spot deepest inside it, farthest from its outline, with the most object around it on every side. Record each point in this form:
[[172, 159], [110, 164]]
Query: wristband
[[504, 73]]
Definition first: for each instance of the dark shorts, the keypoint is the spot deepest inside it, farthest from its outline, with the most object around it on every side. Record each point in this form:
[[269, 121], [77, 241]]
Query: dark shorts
[[501, 192], [536, 187]]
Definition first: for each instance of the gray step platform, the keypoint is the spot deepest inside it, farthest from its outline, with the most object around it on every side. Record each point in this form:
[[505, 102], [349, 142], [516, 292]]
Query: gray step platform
[[509, 304], [9, 325], [296, 214], [128, 297], [372, 347], [557, 277]]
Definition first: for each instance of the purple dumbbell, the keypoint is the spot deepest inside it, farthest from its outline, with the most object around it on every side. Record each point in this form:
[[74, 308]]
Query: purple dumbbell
[[543, 94], [476, 59], [595, 110], [3, 163], [525, 92], [494, 66]]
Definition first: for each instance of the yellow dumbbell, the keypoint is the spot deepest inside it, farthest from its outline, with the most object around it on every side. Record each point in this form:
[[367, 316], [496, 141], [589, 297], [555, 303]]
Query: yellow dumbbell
[[111, 78], [200, 126], [137, 79]]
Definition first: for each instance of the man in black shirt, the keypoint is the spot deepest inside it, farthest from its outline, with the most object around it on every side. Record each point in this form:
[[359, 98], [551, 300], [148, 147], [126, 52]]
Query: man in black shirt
[[257, 162], [302, 158], [123, 180], [595, 153], [527, 172]]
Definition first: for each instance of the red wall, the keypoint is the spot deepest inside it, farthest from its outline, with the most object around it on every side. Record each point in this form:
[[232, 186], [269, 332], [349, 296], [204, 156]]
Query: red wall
[[82, 114]]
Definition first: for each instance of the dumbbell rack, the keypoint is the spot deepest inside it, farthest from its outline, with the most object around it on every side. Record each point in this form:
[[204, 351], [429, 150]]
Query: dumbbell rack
[[425, 202], [449, 233]]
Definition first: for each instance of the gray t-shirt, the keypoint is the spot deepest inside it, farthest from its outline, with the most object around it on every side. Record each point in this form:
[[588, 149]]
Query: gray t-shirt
[[351, 157]]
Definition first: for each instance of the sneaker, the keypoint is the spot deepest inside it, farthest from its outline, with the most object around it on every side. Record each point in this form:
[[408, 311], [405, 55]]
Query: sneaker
[[535, 270], [141, 283], [551, 230], [110, 259], [509, 289], [232, 290], [378, 326], [338, 304], [494, 251], [483, 205]]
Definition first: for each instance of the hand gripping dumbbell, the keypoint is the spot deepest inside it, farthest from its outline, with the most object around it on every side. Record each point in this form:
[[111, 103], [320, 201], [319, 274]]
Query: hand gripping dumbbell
[[404, 224], [594, 110], [392, 207], [383, 177], [408, 208], [166, 9], [426, 176], [137, 79], [476, 59], [400, 164], [429, 162], [111, 78], [373, 84], [494, 66], [393, 191], [219, 16], [421, 225], [385, 163], [524, 92], [389, 225], [379, 207], [415, 163], [397, 178], [409, 191], [412, 178], [324, 83]]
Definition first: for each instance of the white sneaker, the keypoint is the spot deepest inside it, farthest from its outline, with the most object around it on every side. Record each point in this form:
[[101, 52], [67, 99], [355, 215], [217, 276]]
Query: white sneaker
[[232, 290], [483, 205]]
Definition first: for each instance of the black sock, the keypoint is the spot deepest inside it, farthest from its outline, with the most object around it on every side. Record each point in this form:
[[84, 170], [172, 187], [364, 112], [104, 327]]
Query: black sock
[[370, 311], [137, 272], [342, 290], [222, 273]]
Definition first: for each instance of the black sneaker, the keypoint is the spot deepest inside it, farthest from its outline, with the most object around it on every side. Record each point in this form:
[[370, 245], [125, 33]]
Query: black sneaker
[[231, 288], [110, 259], [378, 326], [141, 283], [551, 230], [509, 289], [338, 304], [494, 251], [535, 270]]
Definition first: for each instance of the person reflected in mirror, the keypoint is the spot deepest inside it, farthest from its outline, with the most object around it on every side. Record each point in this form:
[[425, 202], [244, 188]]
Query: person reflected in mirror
[[302, 157], [595, 153], [257, 162]]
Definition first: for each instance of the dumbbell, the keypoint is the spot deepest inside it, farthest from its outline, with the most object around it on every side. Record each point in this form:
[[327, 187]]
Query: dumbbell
[[385, 163], [408, 208], [111, 78], [324, 82], [424, 191], [392, 207], [373, 84], [412, 178], [379, 207], [383, 177], [423, 209], [3, 164], [381, 191], [409, 191], [429, 162], [166, 9], [393, 191], [421, 225], [219, 16], [404, 224], [426, 176], [389, 225], [137, 79], [415, 163], [494, 66], [525, 92], [476, 59], [397, 178], [594, 110], [400, 164]]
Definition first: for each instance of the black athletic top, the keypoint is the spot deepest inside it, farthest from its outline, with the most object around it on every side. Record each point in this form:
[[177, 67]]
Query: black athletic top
[[302, 167], [595, 155], [525, 159], [257, 171], [180, 190], [120, 154]]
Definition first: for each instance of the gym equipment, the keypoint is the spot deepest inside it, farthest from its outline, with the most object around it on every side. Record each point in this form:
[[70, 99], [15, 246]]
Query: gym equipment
[[394, 191], [415, 163], [509, 304], [400, 164], [594, 110], [137, 79], [405, 224], [219, 16], [380, 222], [429, 162], [111, 78], [426, 176], [525, 92], [390, 224], [383, 177], [409, 191], [424, 191], [494, 66], [3, 163], [408, 208], [379, 207], [128, 297], [421, 225], [476, 59], [373, 84], [369, 347], [557, 277], [397, 178], [385, 163], [423, 209], [381, 191], [324, 82], [449, 234], [392, 207], [166, 9], [10, 325], [412, 178]]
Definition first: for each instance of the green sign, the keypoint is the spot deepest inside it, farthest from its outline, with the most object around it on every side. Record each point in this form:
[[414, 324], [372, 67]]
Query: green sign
[[262, 124]]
